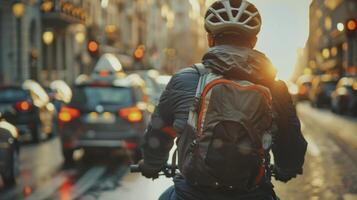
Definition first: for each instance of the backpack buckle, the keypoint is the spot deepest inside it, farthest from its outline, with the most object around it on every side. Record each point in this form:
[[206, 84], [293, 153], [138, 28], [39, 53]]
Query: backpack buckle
[[193, 145]]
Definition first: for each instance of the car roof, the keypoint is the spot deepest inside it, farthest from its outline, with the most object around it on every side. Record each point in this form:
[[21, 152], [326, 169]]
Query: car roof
[[328, 78], [132, 80], [347, 81], [108, 62]]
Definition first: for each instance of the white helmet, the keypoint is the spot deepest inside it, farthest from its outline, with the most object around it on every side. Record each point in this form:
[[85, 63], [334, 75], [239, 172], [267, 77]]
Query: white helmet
[[233, 16]]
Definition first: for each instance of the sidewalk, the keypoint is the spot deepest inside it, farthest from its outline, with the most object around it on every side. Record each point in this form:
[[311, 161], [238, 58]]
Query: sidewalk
[[342, 127]]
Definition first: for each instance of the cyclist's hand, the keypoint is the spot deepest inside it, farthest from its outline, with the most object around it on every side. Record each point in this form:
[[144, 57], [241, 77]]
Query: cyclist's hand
[[148, 171], [283, 175]]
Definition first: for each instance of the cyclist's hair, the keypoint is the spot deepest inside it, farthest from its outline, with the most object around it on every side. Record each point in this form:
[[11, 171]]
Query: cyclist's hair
[[234, 39]]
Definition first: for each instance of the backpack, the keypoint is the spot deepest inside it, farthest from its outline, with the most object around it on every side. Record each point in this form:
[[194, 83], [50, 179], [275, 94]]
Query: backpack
[[228, 135]]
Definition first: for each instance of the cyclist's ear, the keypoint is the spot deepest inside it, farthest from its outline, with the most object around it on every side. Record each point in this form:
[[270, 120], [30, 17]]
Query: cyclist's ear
[[253, 42], [210, 39]]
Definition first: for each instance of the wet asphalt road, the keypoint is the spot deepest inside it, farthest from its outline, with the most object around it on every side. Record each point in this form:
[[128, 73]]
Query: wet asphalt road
[[330, 172]]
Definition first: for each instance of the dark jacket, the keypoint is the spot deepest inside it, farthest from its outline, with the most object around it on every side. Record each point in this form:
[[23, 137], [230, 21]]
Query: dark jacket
[[233, 62]]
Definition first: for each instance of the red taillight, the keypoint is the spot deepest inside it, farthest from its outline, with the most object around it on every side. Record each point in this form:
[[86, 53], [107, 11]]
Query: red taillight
[[130, 145], [303, 90], [132, 114], [23, 106], [68, 114], [103, 73]]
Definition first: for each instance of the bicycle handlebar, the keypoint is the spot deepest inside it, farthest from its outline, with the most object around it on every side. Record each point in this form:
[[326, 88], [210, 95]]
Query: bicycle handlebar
[[135, 169], [167, 170]]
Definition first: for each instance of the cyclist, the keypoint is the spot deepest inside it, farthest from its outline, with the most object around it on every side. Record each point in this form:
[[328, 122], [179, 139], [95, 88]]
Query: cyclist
[[232, 27]]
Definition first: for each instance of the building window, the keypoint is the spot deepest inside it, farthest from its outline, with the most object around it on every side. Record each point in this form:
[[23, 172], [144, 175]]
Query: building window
[[332, 4], [318, 13], [328, 23]]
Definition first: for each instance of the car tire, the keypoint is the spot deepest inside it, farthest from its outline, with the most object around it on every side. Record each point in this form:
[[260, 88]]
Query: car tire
[[68, 156], [10, 178], [54, 131], [136, 155], [36, 133]]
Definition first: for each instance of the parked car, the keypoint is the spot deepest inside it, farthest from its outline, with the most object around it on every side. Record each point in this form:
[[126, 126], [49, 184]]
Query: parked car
[[106, 115], [304, 84], [28, 107], [152, 86], [9, 153], [344, 98], [321, 90]]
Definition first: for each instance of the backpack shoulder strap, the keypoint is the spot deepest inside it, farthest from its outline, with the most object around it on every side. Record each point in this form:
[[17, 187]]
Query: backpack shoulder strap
[[201, 69]]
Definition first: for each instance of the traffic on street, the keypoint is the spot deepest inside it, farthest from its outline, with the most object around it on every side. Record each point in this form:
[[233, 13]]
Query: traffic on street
[[106, 176], [179, 100]]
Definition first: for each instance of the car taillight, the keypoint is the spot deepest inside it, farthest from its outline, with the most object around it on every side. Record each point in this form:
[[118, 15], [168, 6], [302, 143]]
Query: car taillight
[[132, 114], [130, 145], [23, 106], [303, 90], [68, 114], [104, 73]]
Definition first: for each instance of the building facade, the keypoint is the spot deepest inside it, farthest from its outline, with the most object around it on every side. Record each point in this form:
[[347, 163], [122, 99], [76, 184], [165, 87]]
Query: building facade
[[329, 48], [20, 42], [46, 40]]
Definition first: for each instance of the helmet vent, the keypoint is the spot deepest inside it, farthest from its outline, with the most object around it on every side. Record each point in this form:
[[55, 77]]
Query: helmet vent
[[235, 13], [235, 3], [252, 9], [214, 19], [224, 16], [218, 5], [244, 17], [252, 23]]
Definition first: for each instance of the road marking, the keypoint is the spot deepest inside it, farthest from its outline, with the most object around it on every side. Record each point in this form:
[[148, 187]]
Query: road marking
[[108, 183], [87, 181]]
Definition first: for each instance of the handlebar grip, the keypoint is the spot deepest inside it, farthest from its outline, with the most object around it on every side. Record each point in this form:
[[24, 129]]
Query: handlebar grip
[[135, 169]]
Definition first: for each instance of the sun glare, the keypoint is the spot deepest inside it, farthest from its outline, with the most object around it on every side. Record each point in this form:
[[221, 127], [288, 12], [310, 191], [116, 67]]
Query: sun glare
[[284, 30]]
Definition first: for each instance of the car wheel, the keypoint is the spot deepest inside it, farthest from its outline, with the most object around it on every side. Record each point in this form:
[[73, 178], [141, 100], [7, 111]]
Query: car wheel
[[338, 109], [68, 156], [10, 178], [333, 108], [54, 131], [353, 110], [136, 155], [36, 133], [318, 104]]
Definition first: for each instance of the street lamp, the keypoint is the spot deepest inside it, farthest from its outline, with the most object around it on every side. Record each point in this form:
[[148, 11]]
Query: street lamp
[[48, 37], [80, 37], [340, 27], [18, 10]]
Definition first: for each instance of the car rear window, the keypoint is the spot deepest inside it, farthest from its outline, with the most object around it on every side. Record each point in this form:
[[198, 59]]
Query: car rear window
[[12, 94], [330, 85], [92, 96]]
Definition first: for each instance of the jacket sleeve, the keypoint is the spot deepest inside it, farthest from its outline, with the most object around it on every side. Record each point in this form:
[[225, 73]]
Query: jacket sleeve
[[159, 136], [289, 145]]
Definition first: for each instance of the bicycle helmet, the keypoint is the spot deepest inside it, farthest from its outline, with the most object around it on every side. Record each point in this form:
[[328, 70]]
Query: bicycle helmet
[[233, 16]]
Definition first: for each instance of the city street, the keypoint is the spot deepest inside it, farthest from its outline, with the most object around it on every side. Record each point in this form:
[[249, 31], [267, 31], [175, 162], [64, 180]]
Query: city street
[[330, 171], [80, 81]]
